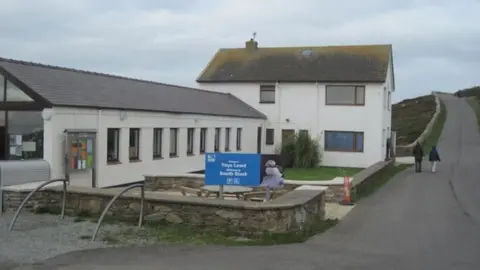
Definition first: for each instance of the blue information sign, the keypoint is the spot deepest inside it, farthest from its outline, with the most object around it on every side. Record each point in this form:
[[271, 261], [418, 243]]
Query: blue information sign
[[236, 169]]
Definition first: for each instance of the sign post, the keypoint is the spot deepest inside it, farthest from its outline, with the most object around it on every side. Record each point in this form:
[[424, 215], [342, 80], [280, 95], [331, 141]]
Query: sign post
[[232, 169], [346, 186]]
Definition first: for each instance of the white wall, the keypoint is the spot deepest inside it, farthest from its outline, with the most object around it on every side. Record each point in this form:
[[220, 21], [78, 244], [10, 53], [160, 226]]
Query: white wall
[[109, 175], [304, 105]]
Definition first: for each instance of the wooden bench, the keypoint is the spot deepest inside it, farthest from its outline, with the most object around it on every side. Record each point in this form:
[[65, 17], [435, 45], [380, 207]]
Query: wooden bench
[[190, 191]]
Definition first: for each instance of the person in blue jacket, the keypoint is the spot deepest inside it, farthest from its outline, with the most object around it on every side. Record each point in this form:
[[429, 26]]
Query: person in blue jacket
[[434, 157]]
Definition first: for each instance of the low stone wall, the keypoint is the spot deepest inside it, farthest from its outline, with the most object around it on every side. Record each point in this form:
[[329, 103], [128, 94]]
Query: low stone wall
[[295, 211], [361, 180], [173, 181], [406, 150], [333, 193]]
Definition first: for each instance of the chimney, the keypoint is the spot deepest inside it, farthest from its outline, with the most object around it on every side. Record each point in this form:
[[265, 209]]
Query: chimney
[[251, 44]]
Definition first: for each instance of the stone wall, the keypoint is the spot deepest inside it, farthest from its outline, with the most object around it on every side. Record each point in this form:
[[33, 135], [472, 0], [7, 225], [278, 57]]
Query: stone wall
[[173, 181], [406, 150], [293, 212]]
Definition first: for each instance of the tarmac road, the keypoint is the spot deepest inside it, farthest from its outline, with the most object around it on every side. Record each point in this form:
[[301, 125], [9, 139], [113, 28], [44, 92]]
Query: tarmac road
[[416, 221]]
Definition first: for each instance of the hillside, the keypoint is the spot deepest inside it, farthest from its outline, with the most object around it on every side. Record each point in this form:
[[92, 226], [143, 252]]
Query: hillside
[[411, 116], [469, 92]]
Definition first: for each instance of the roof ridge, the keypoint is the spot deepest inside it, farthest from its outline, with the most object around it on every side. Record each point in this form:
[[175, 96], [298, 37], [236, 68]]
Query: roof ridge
[[310, 46], [30, 63]]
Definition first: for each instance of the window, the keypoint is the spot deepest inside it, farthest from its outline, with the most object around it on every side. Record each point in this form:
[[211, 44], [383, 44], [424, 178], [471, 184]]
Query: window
[[173, 142], [113, 141], [239, 139], [303, 132], [227, 139], [15, 94], [217, 140], [157, 142], [134, 145], [269, 138], [25, 134], [203, 140], [343, 141], [267, 93], [190, 140], [344, 95]]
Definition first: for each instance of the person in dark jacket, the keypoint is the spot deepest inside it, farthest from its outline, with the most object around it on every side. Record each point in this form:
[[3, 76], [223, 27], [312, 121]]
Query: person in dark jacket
[[418, 155], [434, 158]]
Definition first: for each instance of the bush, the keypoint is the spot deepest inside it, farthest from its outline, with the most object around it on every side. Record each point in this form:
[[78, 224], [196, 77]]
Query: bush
[[301, 151]]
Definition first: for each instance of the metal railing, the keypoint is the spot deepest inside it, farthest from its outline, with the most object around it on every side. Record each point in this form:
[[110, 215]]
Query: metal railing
[[142, 202], [64, 199]]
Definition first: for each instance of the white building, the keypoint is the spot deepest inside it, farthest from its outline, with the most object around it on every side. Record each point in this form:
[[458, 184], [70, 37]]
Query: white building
[[339, 94], [138, 127]]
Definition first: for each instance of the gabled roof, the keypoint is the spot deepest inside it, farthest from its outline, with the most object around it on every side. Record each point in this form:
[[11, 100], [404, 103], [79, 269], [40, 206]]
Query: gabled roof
[[61, 86], [363, 63]]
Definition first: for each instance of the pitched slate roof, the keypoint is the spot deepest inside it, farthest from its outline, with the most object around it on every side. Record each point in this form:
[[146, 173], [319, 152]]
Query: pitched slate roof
[[70, 87], [365, 63]]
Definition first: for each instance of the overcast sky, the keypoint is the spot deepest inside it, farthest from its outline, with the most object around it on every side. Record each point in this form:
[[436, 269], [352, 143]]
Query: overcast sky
[[435, 42]]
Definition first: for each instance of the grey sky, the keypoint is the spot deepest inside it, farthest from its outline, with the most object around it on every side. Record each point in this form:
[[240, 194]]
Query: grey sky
[[435, 41]]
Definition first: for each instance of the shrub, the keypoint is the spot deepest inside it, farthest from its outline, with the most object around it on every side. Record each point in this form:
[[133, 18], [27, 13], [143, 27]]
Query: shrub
[[301, 151]]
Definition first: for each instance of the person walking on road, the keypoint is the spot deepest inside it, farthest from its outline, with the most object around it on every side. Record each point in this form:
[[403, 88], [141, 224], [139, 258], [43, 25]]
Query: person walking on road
[[434, 158], [418, 155]]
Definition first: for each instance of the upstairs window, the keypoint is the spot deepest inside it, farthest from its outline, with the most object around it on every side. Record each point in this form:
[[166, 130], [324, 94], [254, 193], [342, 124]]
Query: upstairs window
[[267, 94], [345, 95]]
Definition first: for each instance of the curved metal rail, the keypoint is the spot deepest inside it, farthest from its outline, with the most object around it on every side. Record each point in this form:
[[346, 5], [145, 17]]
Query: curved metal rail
[[142, 202], [64, 199]]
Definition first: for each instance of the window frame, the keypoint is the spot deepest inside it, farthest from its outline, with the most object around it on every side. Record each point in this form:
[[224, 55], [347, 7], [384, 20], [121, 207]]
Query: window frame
[[190, 141], [239, 139], [173, 154], [355, 89], [267, 88], [227, 139], [203, 140], [157, 143], [137, 146], [269, 137], [216, 140], [115, 142], [389, 100], [354, 143]]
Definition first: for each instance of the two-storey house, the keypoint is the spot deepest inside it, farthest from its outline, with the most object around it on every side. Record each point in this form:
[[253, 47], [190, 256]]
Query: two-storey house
[[340, 95]]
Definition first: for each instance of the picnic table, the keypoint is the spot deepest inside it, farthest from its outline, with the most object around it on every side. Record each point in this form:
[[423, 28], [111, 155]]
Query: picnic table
[[238, 191]]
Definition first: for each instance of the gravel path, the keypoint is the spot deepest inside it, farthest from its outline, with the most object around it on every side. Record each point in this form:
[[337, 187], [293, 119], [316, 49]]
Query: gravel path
[[38, 237]]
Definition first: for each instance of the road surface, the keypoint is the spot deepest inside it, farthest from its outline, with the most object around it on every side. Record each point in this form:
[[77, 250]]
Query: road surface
[[416, 221]]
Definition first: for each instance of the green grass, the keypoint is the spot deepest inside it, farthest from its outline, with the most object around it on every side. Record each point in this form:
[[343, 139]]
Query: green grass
[[379, 179], [162, 232], [474, 102], [321, 173], [434, 136]]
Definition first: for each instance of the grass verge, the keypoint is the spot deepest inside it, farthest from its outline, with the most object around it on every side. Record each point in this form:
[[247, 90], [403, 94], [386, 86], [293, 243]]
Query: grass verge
[[162, 232], [378, 180], [475, 104], [321, 173], [436, 132]]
